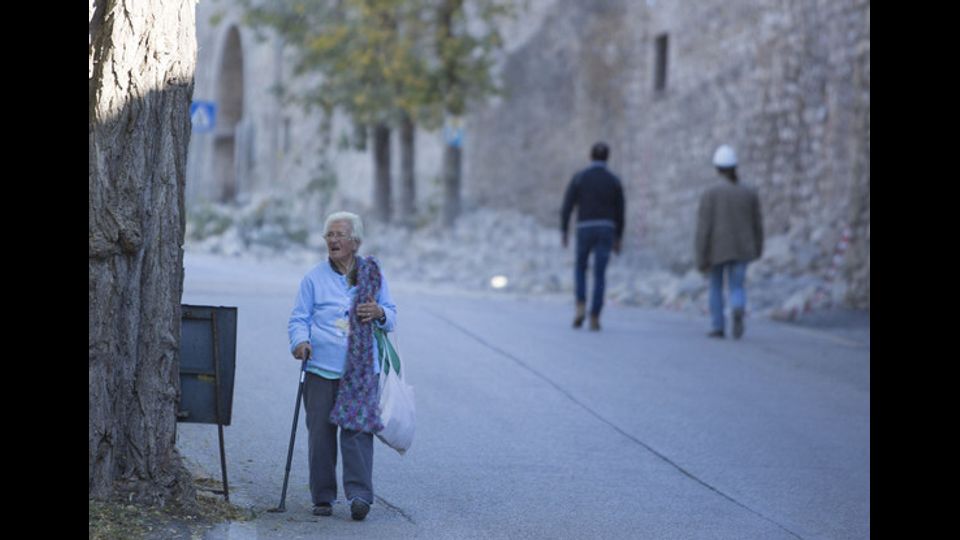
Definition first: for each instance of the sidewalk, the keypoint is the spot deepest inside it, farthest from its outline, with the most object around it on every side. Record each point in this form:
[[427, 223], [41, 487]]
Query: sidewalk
[[849, 324]]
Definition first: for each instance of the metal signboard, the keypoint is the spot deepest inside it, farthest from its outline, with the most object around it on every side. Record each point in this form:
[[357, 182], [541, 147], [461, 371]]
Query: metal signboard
[[208, 350], [208, 358], [203, 116]]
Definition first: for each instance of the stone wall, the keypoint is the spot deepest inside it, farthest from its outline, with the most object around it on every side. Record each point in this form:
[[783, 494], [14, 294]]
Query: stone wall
[[787, 84]]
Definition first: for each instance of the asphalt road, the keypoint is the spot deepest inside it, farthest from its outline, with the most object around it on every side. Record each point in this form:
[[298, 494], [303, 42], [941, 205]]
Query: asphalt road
[[527, 428]]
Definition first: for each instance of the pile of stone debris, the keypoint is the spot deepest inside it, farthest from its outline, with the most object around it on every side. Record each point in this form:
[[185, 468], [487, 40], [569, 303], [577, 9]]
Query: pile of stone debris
[[501, 251]]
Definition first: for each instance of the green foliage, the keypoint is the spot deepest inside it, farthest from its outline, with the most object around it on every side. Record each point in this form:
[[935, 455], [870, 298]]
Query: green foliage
[[379, 59], [466, 59]]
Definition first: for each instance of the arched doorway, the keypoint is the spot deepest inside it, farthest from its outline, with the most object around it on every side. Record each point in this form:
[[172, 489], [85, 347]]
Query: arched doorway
[[230, 103]]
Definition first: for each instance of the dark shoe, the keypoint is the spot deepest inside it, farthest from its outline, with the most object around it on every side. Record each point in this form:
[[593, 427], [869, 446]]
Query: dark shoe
[[581, 314], [595, 322], [359, 509], [737, 323], [716, 334], [323, 509]]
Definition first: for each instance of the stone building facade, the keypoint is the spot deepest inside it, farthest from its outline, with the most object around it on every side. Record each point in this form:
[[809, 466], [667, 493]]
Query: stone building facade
[[786, 83], [662, 81], [260, 145]]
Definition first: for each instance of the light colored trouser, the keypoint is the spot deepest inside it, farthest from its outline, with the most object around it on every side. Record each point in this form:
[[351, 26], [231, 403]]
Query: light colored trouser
[[736, 276], [319, 395]]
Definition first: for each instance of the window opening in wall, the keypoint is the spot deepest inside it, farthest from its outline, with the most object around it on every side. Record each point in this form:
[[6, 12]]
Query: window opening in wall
[[660, 76]]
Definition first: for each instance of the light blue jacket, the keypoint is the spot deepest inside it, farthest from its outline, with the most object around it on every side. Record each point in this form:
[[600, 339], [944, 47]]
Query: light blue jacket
[[321, 316]]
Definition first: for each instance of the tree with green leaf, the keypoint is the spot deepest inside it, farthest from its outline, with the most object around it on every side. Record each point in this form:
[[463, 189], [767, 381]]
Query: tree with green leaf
[[464, 76], [389, 63]]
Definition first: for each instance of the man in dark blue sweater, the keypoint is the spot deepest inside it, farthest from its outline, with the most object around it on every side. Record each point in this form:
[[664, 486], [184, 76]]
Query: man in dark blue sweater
[[598, 195]]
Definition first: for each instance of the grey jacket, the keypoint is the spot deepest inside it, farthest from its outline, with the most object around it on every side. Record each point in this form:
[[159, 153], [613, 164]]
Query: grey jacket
[[729, 225]]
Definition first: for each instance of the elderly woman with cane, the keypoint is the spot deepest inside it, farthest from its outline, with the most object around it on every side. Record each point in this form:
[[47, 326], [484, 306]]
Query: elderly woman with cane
[[331, 329]]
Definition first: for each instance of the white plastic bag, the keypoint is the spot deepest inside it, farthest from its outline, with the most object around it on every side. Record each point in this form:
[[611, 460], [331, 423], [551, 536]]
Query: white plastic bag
[[397, 410]]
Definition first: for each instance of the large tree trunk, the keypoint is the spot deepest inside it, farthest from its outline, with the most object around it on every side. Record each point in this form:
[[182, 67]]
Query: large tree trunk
[[381, 164], [142, 57], [408, 196]]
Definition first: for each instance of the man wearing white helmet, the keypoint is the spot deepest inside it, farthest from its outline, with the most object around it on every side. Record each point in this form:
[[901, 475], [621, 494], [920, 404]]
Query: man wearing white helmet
[[729, 235]]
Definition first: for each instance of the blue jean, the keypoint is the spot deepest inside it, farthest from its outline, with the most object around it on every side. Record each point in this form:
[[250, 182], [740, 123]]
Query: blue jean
[[599, 240], [736, 272]]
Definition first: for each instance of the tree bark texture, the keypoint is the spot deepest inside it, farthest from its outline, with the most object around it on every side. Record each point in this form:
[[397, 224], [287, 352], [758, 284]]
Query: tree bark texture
[[408, 195], [381, 163], [142, 57], [452, 158]]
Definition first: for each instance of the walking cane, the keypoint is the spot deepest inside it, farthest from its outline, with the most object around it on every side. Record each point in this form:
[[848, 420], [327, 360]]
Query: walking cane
[[293, 436]]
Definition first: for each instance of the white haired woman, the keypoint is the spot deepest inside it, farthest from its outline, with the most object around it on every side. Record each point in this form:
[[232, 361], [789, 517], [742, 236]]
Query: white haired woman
[[331, 328]]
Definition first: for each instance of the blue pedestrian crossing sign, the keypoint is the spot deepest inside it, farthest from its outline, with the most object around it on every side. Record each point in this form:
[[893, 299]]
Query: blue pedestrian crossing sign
[[453, 132], [203, 116]]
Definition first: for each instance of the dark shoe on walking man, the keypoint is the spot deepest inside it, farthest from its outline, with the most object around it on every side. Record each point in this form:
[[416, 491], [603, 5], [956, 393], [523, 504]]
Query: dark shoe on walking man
[[716, 334], [595, 322], [581, 314], [323, 509], [737, 323]]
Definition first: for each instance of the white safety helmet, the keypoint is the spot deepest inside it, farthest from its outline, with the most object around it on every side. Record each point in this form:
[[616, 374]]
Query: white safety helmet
[[725, 157]]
